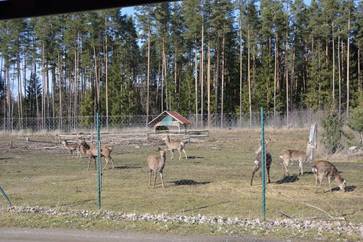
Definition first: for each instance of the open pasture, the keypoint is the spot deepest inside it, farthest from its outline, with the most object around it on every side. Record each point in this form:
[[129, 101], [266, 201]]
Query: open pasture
[[213, 181]]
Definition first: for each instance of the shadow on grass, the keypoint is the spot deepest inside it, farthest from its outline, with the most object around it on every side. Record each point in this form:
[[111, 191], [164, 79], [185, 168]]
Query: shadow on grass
[[188, 182], [127, 167], [195, 157], [347, 189], [288, 179], [308, 173], [6, 158]]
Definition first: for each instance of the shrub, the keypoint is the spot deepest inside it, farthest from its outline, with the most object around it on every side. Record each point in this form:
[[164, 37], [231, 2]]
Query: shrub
[[332, 132]]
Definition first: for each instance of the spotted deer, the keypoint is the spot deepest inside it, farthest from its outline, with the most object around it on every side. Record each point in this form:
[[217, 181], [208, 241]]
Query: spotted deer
[[288, 156], [91, 152], [72, 147], [258, 161], [156, 164], [175, 145], [324, 169]]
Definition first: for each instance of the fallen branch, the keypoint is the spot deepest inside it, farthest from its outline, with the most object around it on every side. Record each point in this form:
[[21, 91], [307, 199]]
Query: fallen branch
[[284, 214], [325, 212]]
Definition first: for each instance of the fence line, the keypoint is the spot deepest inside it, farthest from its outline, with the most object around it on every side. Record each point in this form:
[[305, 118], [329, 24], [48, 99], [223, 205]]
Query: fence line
[[297, 119]]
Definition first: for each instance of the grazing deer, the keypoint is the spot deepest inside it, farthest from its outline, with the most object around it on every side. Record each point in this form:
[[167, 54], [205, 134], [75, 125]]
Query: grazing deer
[[258, 161], [323, 168], [175, 145], [156, 165], [91, 152], [289, 156], [72, 147]]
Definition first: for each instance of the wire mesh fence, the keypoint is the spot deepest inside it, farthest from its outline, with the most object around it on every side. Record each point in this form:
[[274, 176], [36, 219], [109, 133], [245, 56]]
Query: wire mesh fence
[[296, 119]]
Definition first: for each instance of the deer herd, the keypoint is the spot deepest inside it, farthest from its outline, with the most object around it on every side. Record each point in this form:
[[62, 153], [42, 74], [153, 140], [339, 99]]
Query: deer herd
[[321, 169]]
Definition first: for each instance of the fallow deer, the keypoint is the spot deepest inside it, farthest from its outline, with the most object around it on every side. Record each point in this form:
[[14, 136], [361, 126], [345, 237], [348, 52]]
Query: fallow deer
[[91, 152], [258, 161], [72, 147], [322, 169], [289, 156], [175, 145], [156, 164]]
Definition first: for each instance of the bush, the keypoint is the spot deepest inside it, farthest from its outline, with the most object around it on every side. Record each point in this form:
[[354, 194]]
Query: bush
[[332, 132]]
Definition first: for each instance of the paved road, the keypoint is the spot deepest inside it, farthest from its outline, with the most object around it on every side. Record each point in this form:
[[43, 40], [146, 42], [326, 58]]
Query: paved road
[[60, 235]]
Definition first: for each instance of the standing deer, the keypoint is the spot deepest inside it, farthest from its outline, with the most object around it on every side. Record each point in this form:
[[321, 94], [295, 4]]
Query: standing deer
[[156, 165], [323, 168], [91, 152], [175, 145], [72, 147], [258, 161], [289, 156]]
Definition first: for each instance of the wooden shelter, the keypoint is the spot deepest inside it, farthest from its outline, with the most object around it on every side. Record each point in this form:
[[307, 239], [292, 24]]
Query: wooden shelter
[[168, 120]]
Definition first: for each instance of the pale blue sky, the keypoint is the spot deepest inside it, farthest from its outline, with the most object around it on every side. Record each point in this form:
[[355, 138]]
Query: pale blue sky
[[131, 10]]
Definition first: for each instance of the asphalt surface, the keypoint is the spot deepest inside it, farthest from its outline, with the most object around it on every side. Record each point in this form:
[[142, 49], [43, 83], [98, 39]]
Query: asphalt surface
[[63, 235]]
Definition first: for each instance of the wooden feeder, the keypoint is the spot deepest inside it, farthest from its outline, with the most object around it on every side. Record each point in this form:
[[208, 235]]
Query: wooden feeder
[[168, 120]]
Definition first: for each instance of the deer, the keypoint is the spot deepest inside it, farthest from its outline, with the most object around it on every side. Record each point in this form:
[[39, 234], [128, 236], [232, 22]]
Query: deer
[[288, 156], [91, 152], [175, 145], [322, 169], [156, 164], [72, 147], [258, 161]]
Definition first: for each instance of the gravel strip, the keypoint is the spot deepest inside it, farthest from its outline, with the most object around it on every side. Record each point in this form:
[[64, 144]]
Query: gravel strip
[[334, 227]]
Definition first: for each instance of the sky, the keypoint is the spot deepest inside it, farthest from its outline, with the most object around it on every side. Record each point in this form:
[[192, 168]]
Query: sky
[[131, 10]]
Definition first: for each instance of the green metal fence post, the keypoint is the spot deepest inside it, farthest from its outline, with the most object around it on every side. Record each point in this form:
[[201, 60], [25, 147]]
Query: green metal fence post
[[263, 159], [5, 196], [98, 162]]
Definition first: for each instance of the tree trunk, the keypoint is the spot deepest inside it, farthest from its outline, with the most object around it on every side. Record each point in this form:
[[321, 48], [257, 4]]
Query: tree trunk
[[222, 84], [162, 77], [348, 85], [287, 80], [208, 84], [333, 81], [359, 73], [20, 93], [148, 77], [106, 77], [196, 86], [240, 69], [202, 78], [339, 79], [275, 71], [249, 75]]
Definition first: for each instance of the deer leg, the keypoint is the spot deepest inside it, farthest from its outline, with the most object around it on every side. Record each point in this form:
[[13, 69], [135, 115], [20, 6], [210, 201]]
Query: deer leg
[[172, 153], [316, 182], [106, 161], [89, 163], [316, 179], [162, 181], [329, 181], [155, 178], [268, 174], [285, 167], [150, 175], [112, 166], [301, 172], [185, 153], [253, 173], [179, 153]]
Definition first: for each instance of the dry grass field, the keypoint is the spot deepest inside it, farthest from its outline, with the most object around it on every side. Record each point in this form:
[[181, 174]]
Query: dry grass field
[[214, 181]]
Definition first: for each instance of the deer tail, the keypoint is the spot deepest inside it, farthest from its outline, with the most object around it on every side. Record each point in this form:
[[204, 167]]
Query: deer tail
[[314, 169]]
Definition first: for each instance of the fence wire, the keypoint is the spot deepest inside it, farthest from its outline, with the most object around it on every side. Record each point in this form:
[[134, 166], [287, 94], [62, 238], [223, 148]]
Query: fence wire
[[297, 119]]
